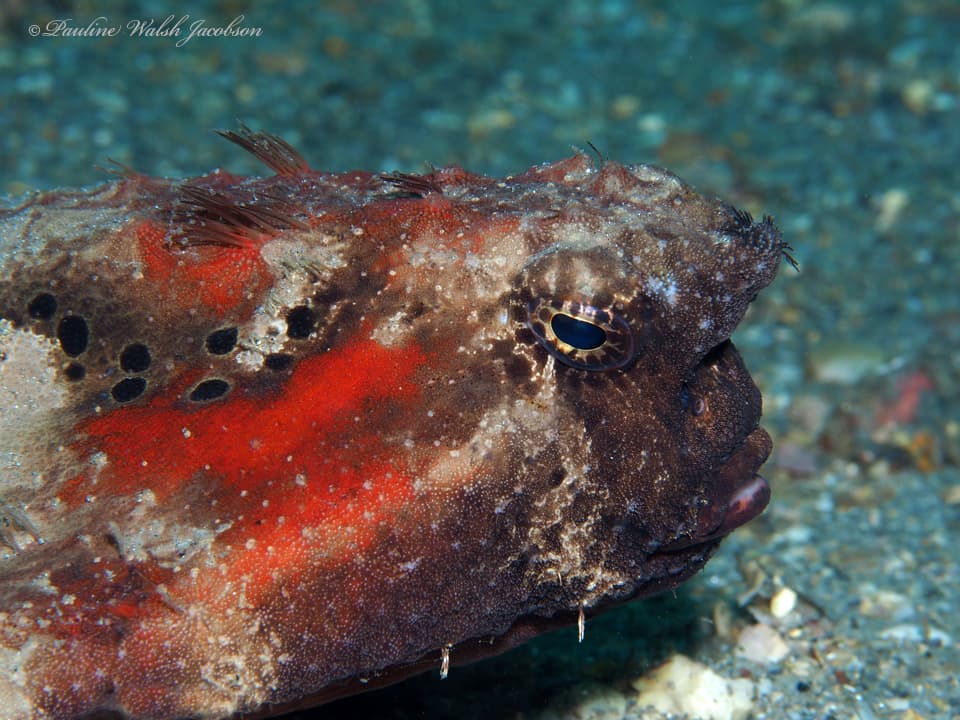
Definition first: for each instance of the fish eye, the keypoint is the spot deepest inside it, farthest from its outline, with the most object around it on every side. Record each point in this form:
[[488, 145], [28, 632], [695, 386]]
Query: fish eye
[[581, 336]]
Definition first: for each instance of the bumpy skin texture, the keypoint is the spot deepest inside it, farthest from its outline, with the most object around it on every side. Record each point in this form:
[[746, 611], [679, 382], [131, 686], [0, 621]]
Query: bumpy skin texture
[[269, 441]]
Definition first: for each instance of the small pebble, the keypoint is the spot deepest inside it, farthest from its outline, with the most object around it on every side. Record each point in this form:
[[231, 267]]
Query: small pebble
[[917, 95], [809, 413], [885, 604], [685, 687], [783, 602], [914, 634], [488, 121], [845, 363], [761, 644], [951, 495], [795, 459], [821, 19], [624, 106], [889, 206]]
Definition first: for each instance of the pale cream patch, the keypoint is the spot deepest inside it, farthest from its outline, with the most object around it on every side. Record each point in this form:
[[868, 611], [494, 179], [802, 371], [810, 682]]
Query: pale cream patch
[[29, 385], [32, 398], [451, 278], [25, 234], [526, 425], [144, 534], [298, 260], [392, 330], [14, 695], [552, 510]]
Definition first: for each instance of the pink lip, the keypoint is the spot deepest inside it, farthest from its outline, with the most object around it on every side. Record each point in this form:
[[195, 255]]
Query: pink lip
[[747, 502]]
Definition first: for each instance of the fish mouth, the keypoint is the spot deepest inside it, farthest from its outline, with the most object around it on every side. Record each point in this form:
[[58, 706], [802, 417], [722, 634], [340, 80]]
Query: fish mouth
[[740, 495], [746, 503]]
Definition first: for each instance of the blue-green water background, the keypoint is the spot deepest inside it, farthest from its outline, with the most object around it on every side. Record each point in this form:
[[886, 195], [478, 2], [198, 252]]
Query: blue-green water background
[[838, 118]]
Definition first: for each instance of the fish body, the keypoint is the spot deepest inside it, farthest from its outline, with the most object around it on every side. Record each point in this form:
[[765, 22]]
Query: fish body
[[270, 441]]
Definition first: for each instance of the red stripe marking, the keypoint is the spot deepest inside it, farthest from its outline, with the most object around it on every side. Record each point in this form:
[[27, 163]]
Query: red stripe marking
[[246, 440], [253, 449]]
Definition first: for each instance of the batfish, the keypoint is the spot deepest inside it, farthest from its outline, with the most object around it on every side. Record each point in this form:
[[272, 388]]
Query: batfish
[[271, 441]]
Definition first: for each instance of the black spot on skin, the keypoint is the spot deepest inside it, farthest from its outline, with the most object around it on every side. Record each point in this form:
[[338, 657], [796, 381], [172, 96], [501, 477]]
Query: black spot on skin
[[556, 477], [518, 313], [525, 336], [73, 334], [209, 390], [222, 341], [42, 307], [328, 296], [517, 368], [415, 310], [75, 371], [135, 358], [128, 389], [580, 509], [300, 322], [278, 361], [540, 354]]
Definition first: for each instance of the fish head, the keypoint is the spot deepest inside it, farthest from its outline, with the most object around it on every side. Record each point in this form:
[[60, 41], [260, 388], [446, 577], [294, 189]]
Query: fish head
[[628, 320]]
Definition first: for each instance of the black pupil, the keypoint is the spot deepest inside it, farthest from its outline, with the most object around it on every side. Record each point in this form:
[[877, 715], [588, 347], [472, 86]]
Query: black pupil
[[582, 335]]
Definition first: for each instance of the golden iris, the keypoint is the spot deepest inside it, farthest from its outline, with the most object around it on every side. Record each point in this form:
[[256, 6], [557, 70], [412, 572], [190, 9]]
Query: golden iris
[[581, 336]]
